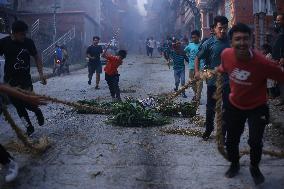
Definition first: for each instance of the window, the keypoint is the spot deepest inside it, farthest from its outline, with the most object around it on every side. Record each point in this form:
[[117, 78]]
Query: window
[[264, 6]]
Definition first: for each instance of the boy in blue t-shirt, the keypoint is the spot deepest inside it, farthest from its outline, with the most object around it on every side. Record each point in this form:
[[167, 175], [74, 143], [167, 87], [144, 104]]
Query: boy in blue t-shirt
[[178, 56], [191, 50]]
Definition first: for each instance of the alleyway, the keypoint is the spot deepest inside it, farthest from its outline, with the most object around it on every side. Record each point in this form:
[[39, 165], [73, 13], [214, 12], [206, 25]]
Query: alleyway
[[88, 153]]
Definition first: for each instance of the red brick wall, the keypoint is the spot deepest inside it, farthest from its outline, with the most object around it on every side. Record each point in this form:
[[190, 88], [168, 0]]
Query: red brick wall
[[269, 29], [92, 8], [244, 11], [64, 22], [205, 30]]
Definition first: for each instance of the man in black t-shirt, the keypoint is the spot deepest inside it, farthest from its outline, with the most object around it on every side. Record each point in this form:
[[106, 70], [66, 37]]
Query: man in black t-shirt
[[17, 50], [94, 65]]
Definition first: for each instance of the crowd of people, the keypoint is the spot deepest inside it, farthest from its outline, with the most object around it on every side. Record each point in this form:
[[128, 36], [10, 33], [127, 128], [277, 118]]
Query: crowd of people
[[248, 76]]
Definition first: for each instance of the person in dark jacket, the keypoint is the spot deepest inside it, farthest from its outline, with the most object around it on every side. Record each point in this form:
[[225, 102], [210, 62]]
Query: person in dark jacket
[[278, 50]]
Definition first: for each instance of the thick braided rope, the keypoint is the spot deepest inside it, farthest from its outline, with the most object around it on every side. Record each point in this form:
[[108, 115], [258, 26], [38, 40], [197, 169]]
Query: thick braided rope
[[35, 148], [198, 93], [78, 106], [219, 115], [204, 75]]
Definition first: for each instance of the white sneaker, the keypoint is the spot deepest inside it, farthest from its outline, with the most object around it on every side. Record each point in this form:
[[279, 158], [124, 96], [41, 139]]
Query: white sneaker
[[12, 171]]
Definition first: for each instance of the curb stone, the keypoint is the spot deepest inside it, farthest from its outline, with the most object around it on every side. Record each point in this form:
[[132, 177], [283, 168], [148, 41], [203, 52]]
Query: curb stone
[[75, 67]]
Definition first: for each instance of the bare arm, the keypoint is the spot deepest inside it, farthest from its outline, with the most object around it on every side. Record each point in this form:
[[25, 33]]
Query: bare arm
[[39, 66], [34, 100], [105, 54]]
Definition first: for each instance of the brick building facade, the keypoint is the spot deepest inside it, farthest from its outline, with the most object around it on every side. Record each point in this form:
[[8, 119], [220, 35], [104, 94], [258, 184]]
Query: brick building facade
[[91, 7], [234, 10], [84, 15], [258, 14], [264, 15], [84, 25], [85, 29]]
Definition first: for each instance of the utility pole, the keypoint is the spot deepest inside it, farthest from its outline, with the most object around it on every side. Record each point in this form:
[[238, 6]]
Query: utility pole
[[55, 7]]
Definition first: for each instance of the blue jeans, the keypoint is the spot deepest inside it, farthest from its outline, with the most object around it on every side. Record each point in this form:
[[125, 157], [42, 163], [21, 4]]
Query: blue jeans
[[211, 104], [179, 77]]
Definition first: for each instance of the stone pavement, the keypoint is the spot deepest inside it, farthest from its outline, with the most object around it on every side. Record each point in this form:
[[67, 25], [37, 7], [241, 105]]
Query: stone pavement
[[89, 153]]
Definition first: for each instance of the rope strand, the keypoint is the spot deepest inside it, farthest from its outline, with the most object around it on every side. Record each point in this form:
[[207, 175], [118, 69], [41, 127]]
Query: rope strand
[[219, 115], [35, 148]]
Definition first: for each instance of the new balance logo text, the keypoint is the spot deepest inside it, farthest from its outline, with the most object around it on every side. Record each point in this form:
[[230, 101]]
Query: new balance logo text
[[240, 74]]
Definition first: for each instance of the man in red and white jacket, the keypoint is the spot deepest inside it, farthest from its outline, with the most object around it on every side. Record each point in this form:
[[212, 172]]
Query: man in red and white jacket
[[248, 71]]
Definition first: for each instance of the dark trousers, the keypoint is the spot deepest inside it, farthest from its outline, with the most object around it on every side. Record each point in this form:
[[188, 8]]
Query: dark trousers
[[94, 67], [235, 121], [4, 156], [211, 104], [166, 55], [112, 82], [151, 51], [22, 107], [147, 50]]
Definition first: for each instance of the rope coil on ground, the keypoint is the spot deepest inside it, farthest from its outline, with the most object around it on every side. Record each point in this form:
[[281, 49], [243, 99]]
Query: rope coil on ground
[[39, 147]]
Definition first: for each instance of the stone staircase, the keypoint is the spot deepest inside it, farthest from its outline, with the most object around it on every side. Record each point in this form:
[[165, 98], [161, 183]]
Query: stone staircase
[[35, 28]]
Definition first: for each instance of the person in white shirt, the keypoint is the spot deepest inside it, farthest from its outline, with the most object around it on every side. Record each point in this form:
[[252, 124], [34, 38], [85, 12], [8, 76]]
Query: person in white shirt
[[151, 46]]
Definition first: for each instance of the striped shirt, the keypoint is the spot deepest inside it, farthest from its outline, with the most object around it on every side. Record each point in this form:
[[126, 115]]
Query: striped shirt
[[211, 51], [178, 60]]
